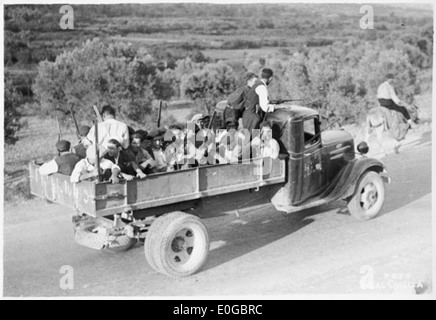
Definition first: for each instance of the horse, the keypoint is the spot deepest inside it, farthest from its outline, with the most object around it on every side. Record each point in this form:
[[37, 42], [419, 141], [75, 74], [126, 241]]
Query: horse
[[393, 122]]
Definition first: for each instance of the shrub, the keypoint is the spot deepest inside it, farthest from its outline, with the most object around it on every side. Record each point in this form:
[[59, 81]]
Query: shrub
[[12, 112]]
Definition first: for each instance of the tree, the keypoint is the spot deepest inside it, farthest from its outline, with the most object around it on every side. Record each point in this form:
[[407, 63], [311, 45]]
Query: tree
[[99, 73], [209, 85]]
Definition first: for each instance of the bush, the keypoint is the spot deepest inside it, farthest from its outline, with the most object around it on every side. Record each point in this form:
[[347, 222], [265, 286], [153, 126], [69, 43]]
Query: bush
[[12, 112], [209, 85], [99, 73]]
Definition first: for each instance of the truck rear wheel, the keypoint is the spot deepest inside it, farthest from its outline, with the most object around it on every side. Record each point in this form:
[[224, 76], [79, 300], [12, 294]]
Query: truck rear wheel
[[368, 200], [177, 244]]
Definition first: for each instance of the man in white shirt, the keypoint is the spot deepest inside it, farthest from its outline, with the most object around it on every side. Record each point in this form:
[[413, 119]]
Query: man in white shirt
[[110, 128], [387, 97], [265, 147], [86, 168], [257, 102]]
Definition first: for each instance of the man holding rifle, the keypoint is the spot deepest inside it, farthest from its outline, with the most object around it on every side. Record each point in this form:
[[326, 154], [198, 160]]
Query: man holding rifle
[[110, 128]]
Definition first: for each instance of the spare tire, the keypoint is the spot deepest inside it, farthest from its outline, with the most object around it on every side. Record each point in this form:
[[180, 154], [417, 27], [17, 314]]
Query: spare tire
[[87, 233]]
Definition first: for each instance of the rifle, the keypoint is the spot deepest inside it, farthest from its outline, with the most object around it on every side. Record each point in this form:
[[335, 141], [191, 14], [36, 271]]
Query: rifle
[[74, 118], [75, 122], [212, 120], [159, 115], [280, 101], [59, 128], [97, 151], [97, 113]]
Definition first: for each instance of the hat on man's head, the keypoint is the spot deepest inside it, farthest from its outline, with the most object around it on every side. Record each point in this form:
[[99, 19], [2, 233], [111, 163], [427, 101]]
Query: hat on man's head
[[63, 145], [248, 75], [84, 130], [143, 133], [266, 73], [197, 117], [156, 134], [232, 121]]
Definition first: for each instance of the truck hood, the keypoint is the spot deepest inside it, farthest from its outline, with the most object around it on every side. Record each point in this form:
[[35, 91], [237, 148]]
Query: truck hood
[[335, 137]]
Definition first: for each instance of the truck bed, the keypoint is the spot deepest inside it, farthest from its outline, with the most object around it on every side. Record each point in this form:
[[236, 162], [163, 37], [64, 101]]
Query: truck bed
[[103, 199]]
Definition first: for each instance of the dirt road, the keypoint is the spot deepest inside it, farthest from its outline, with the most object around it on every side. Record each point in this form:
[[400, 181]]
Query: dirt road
[[263, 252]]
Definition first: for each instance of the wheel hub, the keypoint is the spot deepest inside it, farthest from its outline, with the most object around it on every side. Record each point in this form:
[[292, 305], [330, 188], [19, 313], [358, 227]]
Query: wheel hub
[[369, 196], [182, 246]]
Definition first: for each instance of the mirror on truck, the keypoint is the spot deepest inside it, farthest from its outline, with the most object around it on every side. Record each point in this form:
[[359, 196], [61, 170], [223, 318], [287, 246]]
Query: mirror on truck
[[363, 147]]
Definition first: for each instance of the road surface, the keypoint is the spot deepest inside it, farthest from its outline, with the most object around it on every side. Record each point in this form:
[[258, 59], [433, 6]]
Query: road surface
[[263, 252]]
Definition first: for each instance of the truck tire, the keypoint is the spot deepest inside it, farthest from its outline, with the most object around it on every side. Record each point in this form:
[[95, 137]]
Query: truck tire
[[177, 244], [369, 197], [150, 239]]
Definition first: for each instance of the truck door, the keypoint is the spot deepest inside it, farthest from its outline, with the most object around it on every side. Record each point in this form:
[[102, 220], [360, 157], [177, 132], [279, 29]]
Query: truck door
[[311, 167]]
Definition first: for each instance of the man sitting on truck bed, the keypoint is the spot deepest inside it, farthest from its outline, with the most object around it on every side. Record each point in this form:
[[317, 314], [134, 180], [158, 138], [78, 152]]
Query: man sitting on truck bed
[[124, 159], [64, 163], [142, 157], [86, 168]]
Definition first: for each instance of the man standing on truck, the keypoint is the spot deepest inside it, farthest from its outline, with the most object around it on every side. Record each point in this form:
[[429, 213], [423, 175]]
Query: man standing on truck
[[64, 163], [387, 97], [236, 100], [257, 103], [110, 128]]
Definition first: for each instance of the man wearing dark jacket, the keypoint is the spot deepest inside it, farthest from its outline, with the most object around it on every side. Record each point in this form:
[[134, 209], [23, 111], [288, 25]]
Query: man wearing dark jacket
[[64, 163], [257, 103]]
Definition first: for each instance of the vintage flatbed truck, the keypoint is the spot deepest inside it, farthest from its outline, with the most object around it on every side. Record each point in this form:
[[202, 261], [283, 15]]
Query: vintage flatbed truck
[[164, 210]]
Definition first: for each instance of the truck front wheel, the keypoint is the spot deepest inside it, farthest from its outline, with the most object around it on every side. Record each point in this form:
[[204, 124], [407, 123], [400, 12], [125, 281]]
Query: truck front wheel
[[177, 244], [368, 200]]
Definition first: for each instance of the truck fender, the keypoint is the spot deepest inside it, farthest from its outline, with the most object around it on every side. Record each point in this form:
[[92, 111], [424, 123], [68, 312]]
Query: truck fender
[[345, 183]]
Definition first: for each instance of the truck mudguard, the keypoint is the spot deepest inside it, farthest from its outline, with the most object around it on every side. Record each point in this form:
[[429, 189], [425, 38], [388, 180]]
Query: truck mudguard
[[344, 184]]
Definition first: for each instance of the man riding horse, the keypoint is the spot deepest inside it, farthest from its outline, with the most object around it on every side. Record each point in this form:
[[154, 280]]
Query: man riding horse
[[392, 115], [387, 97]]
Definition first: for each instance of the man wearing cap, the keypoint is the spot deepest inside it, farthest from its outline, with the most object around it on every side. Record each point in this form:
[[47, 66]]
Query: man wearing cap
[[80, 148], [64, 163], [257, 103], [387, 97], [157, 153], [86, 168], [110, 128], [236, 101]]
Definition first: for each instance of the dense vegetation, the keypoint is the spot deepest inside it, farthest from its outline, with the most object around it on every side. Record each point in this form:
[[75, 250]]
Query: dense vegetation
[[132, 55]]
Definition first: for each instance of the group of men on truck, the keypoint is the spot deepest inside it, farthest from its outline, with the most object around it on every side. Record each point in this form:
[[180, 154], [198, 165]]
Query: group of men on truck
[[128, 154]]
